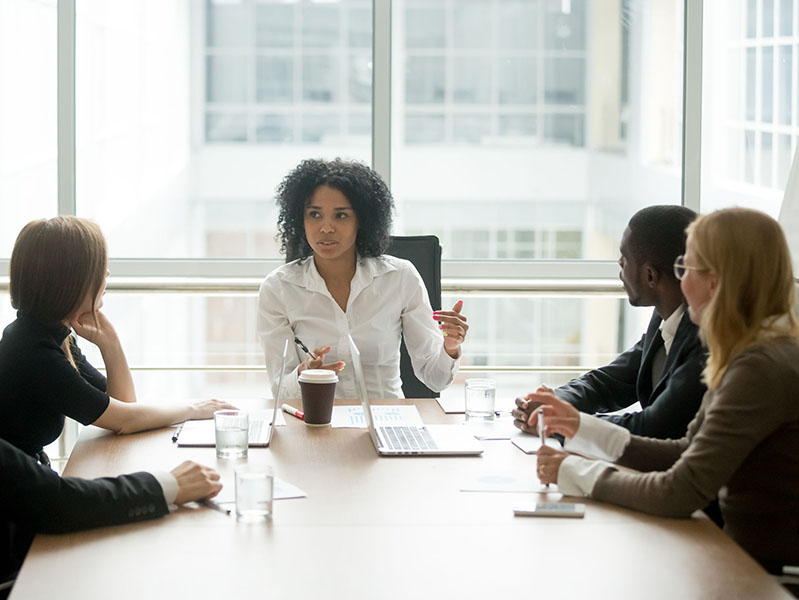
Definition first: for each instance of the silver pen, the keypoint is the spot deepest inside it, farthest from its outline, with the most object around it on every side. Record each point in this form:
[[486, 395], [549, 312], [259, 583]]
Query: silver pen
[[541, 429], [207, 502]]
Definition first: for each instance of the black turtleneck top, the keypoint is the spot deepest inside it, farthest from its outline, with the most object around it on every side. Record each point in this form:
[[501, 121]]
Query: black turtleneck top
[[39, 386]]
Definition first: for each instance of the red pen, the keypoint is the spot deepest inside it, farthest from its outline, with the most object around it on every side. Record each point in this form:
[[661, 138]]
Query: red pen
[[293, 411]]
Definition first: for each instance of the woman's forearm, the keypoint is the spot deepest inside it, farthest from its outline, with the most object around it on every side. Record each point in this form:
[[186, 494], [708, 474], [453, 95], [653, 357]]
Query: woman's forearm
[[124, 417], [119, 381]]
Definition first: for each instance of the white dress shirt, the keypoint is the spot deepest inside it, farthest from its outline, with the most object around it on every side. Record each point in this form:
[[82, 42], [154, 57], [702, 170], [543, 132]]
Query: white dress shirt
[[597, 439], [387, 298], [668, 328]]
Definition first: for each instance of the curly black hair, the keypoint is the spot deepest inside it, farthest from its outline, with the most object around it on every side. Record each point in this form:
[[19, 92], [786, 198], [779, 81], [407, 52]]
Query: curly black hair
[[364, 189]]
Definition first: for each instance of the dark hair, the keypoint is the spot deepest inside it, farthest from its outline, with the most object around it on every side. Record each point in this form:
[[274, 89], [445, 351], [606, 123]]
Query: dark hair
[[364, 189], [657, 236]]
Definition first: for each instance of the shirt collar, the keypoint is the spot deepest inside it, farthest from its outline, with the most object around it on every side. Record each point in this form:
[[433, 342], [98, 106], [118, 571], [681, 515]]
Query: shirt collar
[[366, 269], [58, 331], [668, 328]]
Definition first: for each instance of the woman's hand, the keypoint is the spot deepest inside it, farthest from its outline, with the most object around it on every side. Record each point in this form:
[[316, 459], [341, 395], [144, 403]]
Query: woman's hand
[[453, 325], [96, 328], [549, 461], [204, 409], [559, 416], [316, 362]]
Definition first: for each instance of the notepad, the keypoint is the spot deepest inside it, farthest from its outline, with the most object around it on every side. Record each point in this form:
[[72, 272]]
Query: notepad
[[529, 444], [201, 434]]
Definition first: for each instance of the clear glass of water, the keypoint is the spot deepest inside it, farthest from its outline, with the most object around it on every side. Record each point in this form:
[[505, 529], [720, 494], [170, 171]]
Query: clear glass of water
[[232, 433], [254, 489], [480, 398]]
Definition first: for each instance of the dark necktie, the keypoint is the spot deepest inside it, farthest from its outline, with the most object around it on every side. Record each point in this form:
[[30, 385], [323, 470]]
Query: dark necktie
[[659, 358]]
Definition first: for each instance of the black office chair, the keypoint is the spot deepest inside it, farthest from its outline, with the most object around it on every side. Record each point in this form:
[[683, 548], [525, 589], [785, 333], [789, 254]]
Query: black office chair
[[424, 251]]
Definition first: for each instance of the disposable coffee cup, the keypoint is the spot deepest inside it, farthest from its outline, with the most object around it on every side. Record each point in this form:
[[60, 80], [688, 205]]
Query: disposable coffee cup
[[318, 387]]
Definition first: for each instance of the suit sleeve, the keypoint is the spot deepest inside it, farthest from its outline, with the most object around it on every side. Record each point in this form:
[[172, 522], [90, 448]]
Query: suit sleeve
[[678, 403], [608, 388], [39, 500]]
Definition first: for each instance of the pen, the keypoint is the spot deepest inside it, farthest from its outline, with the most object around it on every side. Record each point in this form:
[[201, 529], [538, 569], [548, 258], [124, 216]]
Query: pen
[[207, 502], [298, 341], [541, 429], [177, 432], [293, 411]]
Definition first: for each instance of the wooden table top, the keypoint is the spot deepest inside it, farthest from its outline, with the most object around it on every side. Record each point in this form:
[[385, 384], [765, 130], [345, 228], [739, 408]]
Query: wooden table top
[[377, 527]]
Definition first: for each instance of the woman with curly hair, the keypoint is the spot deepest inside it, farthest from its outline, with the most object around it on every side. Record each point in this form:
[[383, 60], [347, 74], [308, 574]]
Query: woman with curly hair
[[743, 444], [335, 219]]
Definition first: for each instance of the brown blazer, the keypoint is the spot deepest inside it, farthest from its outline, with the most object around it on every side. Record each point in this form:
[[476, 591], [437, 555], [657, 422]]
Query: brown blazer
[[743, 445]]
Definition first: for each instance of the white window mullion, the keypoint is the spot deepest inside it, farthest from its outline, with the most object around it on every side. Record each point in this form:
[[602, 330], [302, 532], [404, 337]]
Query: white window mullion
[[66, 107], [381, 88]]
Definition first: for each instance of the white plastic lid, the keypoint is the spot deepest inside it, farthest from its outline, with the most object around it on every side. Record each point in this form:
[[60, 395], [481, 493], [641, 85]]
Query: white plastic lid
[[318, 376]]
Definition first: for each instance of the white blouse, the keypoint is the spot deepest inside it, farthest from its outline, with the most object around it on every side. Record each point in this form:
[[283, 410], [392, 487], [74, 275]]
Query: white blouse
[[387, 298]]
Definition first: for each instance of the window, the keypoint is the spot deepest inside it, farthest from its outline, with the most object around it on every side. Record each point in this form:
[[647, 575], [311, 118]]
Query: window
[[517, 118], [187, 135], [751, 123], [28, 130]]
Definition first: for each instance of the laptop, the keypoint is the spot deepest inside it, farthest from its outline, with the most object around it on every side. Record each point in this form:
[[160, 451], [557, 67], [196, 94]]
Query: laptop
[[262, 423], [411, 440]]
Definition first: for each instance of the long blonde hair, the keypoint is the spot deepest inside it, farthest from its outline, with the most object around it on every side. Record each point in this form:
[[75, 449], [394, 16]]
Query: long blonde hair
[[754, 298], [54, 265]]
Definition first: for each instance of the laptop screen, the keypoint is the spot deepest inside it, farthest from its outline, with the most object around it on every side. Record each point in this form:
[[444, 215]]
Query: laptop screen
[[360, 384], [278, 399]]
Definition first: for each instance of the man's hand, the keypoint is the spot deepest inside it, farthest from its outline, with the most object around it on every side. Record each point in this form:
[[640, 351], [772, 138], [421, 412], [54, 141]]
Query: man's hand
[[195, 482], [526, 408]]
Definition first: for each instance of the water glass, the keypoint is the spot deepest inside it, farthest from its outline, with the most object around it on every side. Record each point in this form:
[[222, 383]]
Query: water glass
[[254, 489], [480, 397], [232, 433]]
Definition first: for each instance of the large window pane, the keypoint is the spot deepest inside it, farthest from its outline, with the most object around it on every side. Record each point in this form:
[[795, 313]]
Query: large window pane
[[748, 103], [190, 112], [546, 124], [28, 134]]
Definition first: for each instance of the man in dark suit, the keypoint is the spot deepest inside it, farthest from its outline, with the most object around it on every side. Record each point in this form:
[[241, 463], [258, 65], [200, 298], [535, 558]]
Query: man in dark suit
[[663, 370], [34, 499]]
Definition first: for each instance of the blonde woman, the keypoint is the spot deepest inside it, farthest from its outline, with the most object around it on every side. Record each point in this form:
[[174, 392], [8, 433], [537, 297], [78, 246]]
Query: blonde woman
[[744, 442], [58, 271]]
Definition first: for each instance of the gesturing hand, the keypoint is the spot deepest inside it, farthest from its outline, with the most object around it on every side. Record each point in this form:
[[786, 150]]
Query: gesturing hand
[[316, 361], [453, 325]]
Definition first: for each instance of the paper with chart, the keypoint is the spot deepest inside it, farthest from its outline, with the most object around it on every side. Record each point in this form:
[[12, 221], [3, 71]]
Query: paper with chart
[[383, 416]]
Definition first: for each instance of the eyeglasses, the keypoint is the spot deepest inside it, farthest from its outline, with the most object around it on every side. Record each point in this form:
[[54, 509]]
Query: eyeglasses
[[680, 267]]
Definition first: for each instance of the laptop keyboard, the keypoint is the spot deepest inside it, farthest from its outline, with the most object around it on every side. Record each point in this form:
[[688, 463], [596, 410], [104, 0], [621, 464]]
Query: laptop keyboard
[[407, 438]]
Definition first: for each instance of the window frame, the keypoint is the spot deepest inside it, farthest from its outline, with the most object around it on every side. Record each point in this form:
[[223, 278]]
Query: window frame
[[519, 276]]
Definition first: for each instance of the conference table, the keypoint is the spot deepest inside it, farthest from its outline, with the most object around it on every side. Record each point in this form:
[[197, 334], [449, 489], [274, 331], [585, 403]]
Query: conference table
[[378, 527]]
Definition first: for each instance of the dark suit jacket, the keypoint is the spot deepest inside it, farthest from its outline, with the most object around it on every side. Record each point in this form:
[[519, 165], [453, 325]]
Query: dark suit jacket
[[668, 405], [34, 499]]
